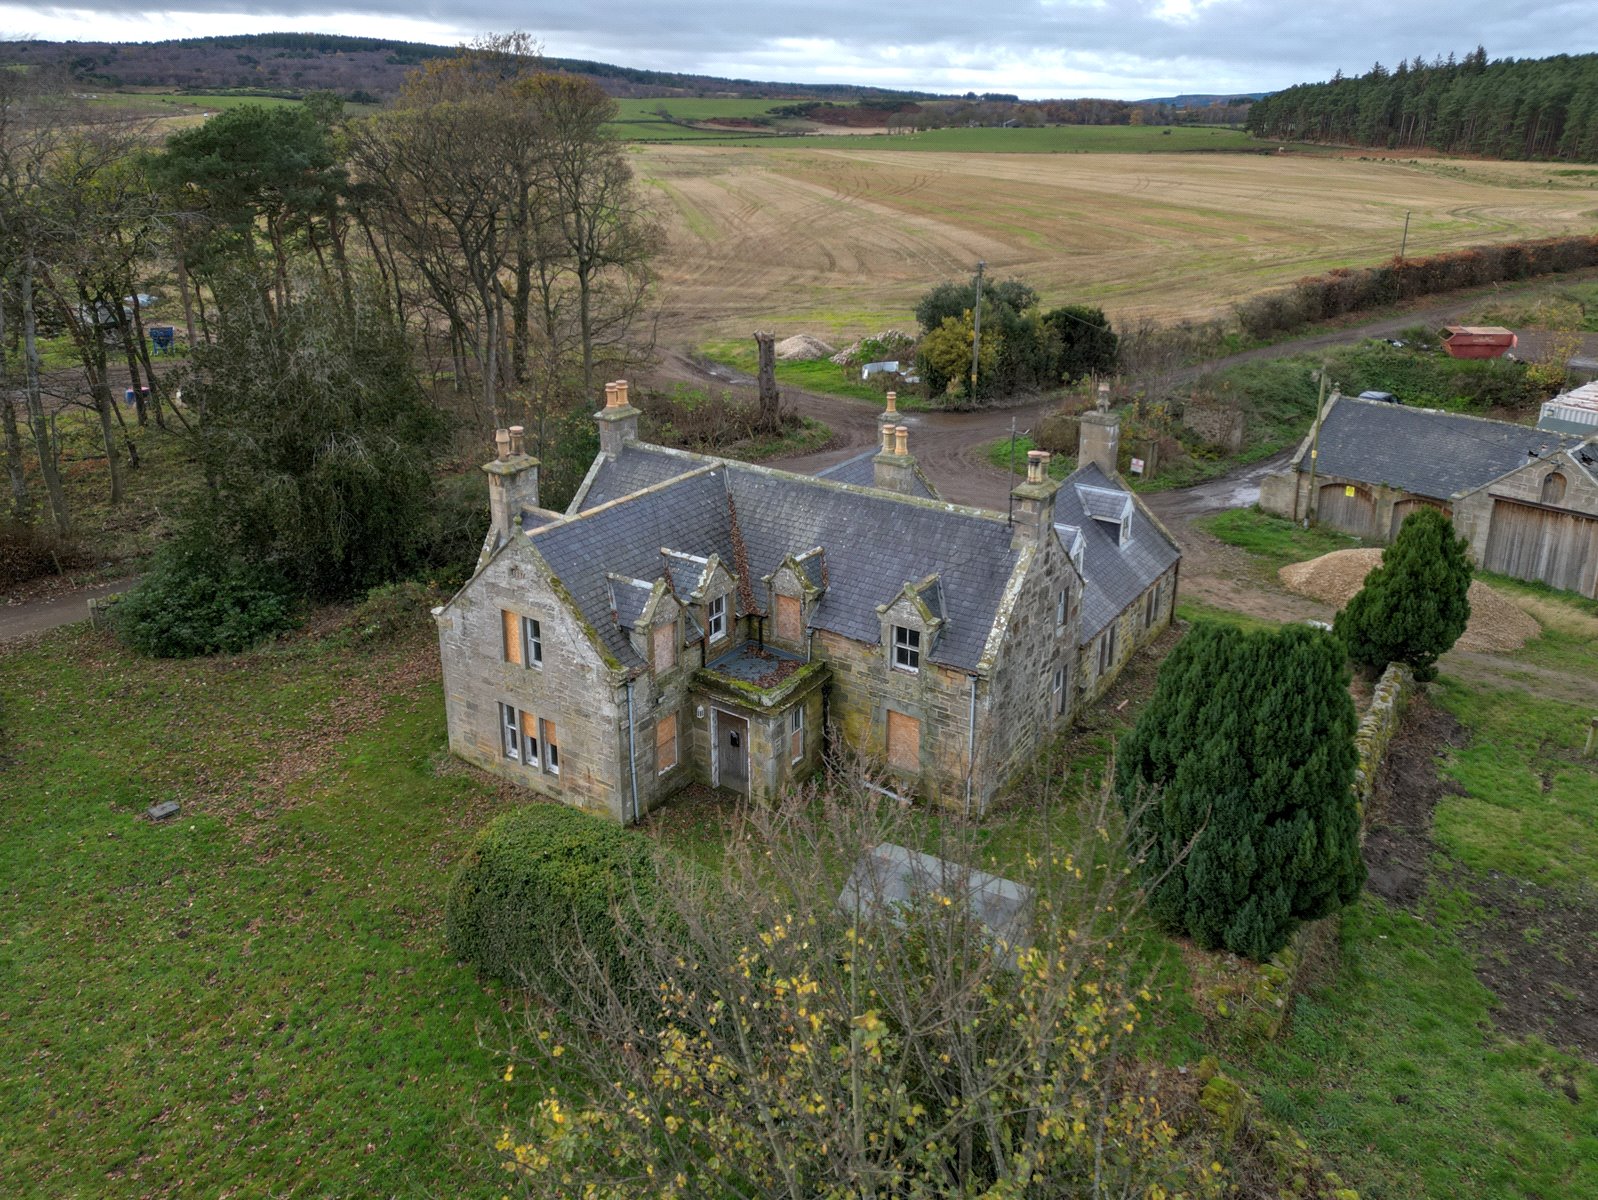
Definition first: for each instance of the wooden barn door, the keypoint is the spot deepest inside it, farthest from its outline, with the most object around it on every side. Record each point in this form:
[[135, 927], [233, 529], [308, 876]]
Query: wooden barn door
[[1559, 548], [1348, 507], [1413, 505]]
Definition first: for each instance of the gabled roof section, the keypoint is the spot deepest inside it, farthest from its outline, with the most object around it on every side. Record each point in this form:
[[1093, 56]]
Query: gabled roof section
[[685, 572], [1114, 574], [1422, 450], [874, 542], [624, 538], [628, 599], [861, 472], [637, 467]]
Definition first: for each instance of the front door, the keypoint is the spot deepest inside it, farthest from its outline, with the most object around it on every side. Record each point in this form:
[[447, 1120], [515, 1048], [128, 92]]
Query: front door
[[732, 752]]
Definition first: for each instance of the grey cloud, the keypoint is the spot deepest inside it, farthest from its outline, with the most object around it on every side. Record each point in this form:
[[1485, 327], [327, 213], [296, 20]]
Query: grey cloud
[[1059, 48]]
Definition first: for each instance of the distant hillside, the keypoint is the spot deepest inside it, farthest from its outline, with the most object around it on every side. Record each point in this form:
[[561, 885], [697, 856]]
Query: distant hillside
[[359, 68], [1205, 99], [1526, 108]]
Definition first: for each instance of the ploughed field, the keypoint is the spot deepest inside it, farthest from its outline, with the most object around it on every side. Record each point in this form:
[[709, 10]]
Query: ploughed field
[[841, 240]]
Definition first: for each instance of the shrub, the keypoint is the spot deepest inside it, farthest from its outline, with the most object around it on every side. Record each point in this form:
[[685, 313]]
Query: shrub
[[392, 611], [1414, 606], [28, 551], [538, 887], [1238, 777], [198, 599], [1088, 344]]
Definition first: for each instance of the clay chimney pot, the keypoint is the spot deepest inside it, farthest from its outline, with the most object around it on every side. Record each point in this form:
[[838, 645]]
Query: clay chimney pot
[[502, 443], [621, 393], [901, 439], [1036, 461], [610, 396], [887, 439], [893, 402], [516, 432]]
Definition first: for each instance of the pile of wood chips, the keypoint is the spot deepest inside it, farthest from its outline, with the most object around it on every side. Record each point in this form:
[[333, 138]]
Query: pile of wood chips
[[1496, 624]]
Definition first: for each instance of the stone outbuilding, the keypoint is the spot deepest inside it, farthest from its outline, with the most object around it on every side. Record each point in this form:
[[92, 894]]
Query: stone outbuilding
[[695, 619], [1525, 498]]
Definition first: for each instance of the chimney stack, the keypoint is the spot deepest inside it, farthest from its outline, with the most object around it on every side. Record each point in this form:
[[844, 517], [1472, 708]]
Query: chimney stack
[[512, 484], [894, 469], [1099, 437], [618, 420], [1032, 502]]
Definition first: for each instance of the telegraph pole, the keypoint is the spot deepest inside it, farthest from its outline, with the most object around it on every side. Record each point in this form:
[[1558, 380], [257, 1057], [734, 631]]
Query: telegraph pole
[[1404, 245], [976, 330]]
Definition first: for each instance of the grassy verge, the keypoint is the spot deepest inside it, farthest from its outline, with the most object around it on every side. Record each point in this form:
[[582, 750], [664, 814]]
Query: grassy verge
[[820, 375], [809, 438], [1274, 540], [998, 453]]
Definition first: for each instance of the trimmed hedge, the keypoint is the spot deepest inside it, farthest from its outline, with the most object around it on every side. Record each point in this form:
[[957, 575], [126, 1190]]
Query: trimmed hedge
[[538, 886], [1348, 290]]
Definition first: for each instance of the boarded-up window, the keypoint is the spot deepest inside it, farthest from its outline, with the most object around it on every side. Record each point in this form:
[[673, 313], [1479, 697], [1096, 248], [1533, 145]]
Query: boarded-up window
[[790, 626], [511, 635], [665, 743], [904, 742], [665, 646], [1554, 488]]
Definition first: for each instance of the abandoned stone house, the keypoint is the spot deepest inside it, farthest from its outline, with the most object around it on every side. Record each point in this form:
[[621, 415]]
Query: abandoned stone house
[[1526, 499], [690, 618]]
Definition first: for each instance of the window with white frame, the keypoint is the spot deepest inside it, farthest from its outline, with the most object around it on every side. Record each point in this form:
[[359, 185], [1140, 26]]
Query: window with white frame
[[1107, 649], [717, 618], [1062, 607], [510, 728], [551, 748], [906, 648], [796, 734], [1059, 691], [519, 735], [532, 643]]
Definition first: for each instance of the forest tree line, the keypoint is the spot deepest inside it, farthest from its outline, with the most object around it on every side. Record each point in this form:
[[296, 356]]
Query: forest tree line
[[1529, 108]]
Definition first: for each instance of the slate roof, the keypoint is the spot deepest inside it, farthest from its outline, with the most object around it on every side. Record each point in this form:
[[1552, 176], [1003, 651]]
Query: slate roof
[[1421, 450], [860, 472], [685, 572], [628, 599], [874, 543], [1114, 576], [637, 467]]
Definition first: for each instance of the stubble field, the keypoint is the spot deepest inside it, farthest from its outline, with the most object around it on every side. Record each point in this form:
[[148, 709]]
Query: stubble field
[[838, 241]]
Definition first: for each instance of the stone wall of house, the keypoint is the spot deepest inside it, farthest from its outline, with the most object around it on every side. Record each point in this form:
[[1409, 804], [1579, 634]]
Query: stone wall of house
[[1134, 630], [575, 688], [1279, 494], [863, 689], [1016, 705]]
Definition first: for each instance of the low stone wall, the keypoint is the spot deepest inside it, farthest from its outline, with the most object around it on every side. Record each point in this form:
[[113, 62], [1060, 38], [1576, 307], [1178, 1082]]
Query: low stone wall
[[1262, 993]]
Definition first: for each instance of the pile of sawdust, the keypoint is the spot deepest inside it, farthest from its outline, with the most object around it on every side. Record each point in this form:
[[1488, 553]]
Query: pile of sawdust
[[801, 347], [1495, 623]]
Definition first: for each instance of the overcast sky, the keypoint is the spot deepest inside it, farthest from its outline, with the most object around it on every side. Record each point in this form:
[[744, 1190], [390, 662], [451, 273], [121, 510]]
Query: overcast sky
[[1119, 48]]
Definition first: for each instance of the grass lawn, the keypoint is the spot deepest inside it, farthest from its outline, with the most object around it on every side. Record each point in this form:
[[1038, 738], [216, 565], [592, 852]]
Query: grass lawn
[[1054, 139], [251, 999], [1398, 1062]]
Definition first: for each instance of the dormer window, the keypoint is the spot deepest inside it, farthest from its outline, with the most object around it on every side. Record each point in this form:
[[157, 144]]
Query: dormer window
[[906, 648], [716, 618]]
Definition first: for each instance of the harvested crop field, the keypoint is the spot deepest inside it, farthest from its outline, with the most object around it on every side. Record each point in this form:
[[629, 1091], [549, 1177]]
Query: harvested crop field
[[838, 241], [1496, 623]]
